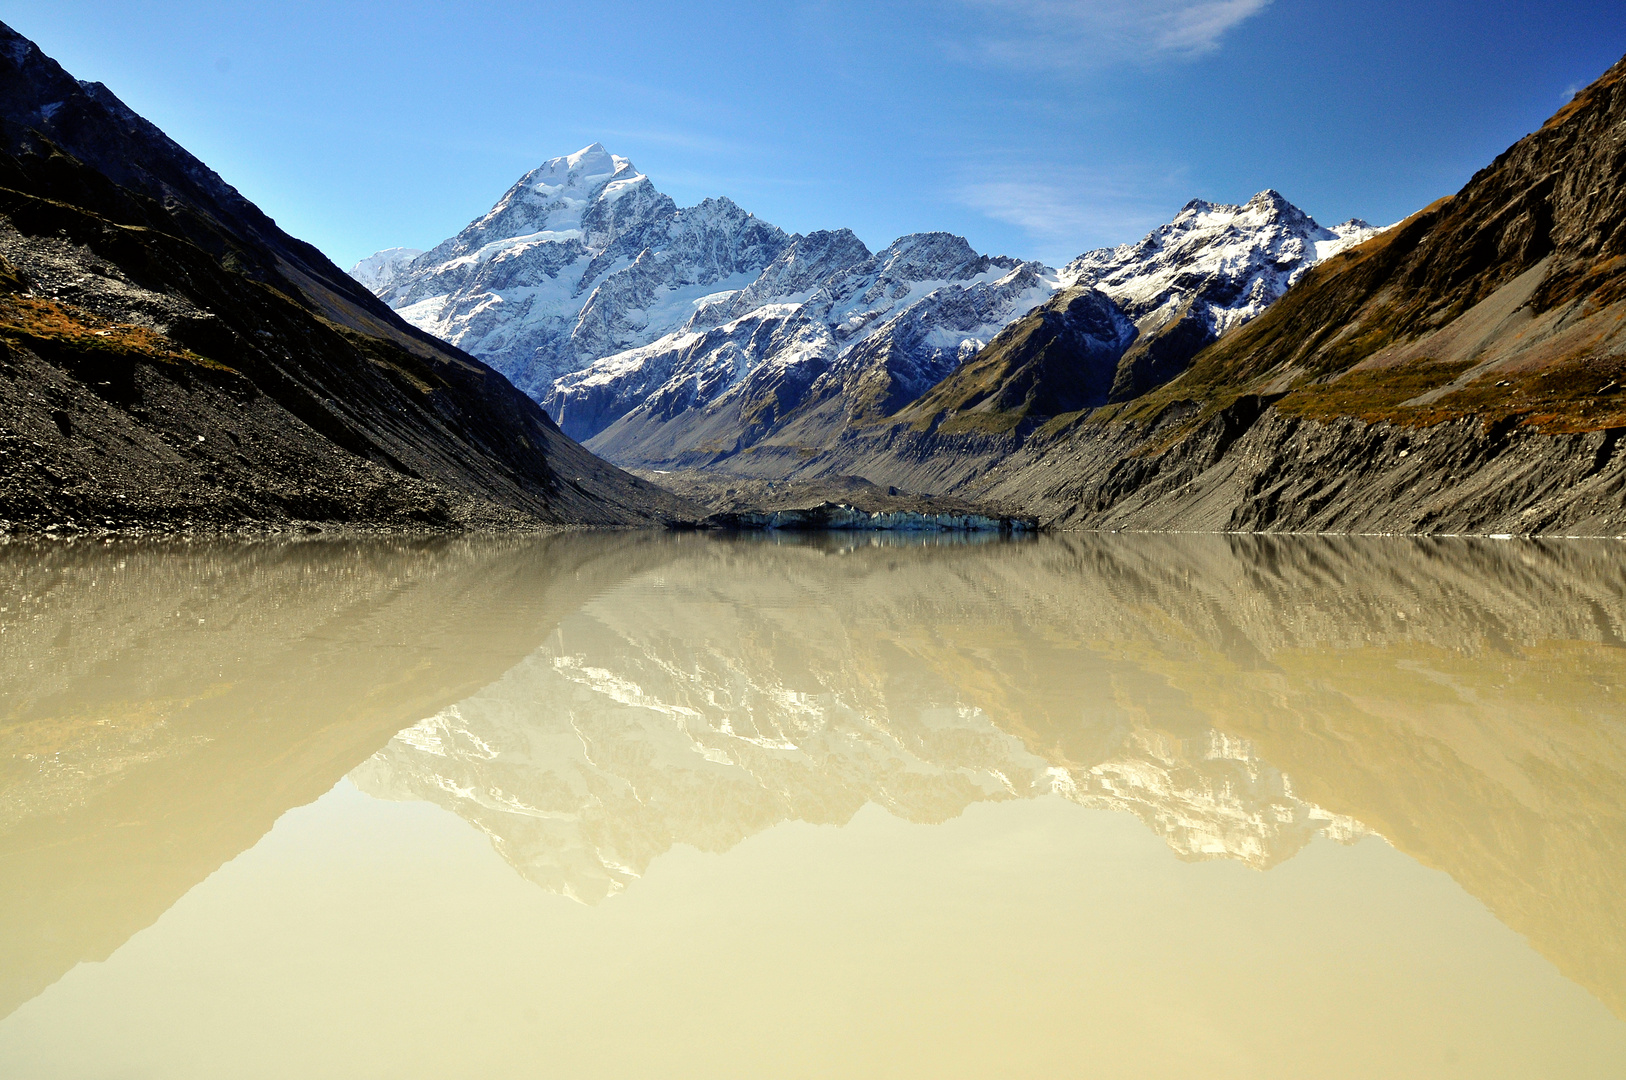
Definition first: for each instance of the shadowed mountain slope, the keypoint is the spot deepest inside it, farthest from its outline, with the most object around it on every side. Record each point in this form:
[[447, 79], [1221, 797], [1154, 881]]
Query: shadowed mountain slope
[[168, 356], [1502, 301], [1210, 270]]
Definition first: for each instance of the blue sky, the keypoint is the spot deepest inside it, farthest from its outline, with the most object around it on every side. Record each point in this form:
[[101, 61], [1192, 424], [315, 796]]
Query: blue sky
[[1038, 128]]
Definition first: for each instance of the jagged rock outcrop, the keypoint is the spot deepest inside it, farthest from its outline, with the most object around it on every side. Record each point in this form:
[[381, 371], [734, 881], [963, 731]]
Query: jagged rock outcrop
[[1229, 262], [170, 358]]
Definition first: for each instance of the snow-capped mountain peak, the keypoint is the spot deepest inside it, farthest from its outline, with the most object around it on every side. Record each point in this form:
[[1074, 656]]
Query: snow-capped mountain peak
[[380, 270], [1234, 260], [581, 257], [553, 202]]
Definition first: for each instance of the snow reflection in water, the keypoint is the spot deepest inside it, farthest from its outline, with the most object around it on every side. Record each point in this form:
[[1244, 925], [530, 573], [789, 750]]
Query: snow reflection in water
[[598, 704]]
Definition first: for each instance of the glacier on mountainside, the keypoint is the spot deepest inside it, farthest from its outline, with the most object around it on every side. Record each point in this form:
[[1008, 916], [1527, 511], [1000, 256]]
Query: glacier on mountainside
[[379, 271], [903, 316]]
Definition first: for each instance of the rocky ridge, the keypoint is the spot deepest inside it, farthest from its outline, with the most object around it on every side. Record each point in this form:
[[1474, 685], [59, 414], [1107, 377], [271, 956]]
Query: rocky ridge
[[1232, 261], [873, 332]]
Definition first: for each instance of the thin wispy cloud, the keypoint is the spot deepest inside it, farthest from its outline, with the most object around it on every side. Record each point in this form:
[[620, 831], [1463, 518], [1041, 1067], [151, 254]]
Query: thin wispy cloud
[[1069, 33], [1067, 215]]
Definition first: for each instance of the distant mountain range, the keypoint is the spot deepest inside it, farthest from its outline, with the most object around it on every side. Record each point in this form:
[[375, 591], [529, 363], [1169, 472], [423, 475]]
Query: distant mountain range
[[662, 335], [1241, 368]]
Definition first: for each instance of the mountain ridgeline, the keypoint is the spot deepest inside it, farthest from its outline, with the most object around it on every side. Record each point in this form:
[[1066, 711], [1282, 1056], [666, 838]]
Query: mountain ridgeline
[[170, 358], [671, 337], [1242, 367], [1462, 371]]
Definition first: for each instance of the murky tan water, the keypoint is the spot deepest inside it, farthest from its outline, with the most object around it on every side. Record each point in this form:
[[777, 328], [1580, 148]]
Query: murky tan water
[[679, 806]]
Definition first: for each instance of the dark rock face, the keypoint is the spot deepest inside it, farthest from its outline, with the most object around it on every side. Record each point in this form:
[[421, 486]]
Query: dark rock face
[[900, 362], [1060, 358], [1159, 356], [804, 264], [171, 358]]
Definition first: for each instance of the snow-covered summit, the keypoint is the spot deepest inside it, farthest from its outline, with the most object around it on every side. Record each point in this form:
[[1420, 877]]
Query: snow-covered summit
[[581, 257], [379, 271], [1234, 261], [547, 203]]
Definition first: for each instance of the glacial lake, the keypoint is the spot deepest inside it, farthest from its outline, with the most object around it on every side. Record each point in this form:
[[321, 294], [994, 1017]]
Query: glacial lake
[[661, 805]]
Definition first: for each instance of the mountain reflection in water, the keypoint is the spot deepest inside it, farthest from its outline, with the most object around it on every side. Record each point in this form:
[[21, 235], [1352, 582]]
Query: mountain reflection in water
[[589, 701]]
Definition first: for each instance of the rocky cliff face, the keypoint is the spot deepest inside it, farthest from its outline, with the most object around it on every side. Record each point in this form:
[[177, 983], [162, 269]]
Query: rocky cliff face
[[170, 358]]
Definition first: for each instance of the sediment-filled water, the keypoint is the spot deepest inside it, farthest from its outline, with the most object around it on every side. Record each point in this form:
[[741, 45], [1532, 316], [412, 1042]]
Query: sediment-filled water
[[616, 805]]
